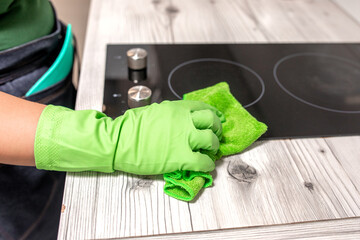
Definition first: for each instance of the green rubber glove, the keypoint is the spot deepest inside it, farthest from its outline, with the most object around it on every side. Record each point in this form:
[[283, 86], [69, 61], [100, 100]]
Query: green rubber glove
[[156, 139]]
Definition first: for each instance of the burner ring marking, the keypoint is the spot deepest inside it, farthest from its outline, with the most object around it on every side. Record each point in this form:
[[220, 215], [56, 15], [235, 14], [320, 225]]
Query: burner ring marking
[[222, 61], [298, 98]]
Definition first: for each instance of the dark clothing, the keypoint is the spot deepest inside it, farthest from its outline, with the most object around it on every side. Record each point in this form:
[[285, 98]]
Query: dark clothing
[[22, 21], [30, 199], [22, 66], [30, 202]]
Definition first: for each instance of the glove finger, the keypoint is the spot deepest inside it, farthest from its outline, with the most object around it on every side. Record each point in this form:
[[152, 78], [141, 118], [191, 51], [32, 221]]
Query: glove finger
[[204, 139], [197, 105], [206, 119], [200, 163]]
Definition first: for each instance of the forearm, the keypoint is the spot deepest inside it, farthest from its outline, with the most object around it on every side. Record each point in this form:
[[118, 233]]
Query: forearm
[[19, 120], [160, 138]]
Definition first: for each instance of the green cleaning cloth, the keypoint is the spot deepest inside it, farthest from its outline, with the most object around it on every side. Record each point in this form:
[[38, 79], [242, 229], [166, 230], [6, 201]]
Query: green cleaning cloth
[[240, 130]]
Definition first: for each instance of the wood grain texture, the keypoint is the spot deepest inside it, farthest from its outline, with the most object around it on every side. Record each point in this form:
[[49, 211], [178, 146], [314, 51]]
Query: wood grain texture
[[298, 180], [327, 230], [351, 7], [272, 182], [262, 21]]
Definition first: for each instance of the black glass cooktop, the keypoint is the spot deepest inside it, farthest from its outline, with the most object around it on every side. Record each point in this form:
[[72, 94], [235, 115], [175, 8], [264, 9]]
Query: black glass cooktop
[[298, 90]]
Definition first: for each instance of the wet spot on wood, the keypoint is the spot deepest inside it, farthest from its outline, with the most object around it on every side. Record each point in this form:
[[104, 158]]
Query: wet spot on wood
[[309, 186], [242, 171], [63, 208]]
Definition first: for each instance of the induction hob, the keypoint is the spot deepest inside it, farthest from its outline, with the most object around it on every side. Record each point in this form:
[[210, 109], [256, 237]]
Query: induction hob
[[298, 90]]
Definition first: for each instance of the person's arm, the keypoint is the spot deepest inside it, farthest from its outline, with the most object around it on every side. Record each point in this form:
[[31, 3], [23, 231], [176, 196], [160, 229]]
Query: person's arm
[[160, 138], [19, 120]]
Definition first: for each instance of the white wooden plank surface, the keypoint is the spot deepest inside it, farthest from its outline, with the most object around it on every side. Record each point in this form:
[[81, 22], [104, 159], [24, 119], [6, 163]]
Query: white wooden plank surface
[[351, 7], [262, 20], [327, 230], [295, 180], [347, 151]]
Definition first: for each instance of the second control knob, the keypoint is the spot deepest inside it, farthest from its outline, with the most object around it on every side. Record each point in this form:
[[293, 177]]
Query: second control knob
[[139, 96]]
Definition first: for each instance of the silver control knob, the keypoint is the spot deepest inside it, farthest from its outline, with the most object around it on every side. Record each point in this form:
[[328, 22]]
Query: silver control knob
[[139, 96], [137, 58]]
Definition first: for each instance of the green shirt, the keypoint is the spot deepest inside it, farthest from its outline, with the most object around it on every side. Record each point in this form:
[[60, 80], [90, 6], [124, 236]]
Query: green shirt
[[22, 21]]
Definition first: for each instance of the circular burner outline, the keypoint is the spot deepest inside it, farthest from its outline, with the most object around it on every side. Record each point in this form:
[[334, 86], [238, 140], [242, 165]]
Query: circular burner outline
[[300, 99], [222, 61]]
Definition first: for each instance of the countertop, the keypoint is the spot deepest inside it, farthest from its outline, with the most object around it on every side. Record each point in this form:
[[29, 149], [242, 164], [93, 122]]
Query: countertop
[[300, 188]]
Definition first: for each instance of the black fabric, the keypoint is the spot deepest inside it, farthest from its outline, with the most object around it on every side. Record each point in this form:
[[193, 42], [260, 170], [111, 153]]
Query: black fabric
[[18, 61], [30, 202], [30, 199]]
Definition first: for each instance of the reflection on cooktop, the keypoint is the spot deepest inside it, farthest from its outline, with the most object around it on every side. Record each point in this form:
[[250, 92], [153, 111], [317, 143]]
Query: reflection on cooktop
[[323, 81], [298, 90]]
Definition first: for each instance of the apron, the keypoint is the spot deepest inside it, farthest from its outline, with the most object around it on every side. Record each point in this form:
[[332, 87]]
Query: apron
[[30, 199]]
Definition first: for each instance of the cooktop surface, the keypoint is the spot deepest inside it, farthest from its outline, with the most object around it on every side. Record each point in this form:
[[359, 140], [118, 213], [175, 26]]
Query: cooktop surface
[[298, 90]]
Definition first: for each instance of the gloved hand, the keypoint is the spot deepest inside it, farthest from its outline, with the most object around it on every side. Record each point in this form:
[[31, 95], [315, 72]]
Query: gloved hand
[[156, 139]]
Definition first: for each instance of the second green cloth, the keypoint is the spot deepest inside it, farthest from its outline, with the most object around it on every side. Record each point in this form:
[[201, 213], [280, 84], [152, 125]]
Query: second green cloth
[[239, 131]]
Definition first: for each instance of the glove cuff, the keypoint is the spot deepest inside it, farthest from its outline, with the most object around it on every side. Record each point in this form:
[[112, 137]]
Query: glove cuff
[[73, 141], [45, 151]]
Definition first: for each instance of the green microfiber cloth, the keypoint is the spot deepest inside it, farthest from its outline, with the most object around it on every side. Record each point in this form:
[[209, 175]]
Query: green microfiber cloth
[[240, 130]]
